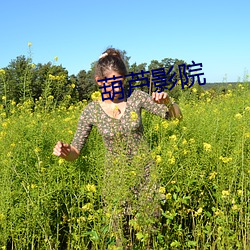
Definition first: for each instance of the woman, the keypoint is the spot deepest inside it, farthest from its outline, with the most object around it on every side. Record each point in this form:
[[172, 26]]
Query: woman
[[118, 119]]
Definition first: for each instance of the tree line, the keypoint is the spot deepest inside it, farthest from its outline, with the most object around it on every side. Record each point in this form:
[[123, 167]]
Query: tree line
[[22, 79]]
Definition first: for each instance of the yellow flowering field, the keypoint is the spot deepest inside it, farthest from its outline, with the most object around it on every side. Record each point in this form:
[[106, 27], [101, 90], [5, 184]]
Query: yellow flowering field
[[202, 166]]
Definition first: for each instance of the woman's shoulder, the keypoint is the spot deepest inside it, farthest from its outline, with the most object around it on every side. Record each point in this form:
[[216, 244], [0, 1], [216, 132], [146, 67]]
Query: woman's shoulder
[[90, 107], [139, 95]]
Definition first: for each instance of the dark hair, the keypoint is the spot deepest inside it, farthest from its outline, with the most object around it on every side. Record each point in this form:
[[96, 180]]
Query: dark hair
[[111, 59]]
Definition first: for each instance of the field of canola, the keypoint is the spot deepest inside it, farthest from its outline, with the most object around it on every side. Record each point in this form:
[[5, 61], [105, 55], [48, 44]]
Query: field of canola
[[203, 162]]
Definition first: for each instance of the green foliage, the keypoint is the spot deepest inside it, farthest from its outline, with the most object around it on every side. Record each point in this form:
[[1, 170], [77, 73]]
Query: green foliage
[[203, 164]]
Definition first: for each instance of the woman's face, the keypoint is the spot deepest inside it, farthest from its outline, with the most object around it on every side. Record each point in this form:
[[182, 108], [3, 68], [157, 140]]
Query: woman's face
[[116, 88]]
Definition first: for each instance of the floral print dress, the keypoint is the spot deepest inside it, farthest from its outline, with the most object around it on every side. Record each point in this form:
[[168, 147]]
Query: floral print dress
[[128, 128], [137, 188]]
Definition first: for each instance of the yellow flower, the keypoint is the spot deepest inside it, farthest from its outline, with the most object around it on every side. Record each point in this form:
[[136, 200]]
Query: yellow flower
[[162, 190], [212, 175], [184, 141], [50, 97], [191, 140], [13, 103], [238, 116], [116, 108], [173, 137], [87, 207], [33, 186], [51, 77], [56, 58], [225, 159], [29, 44], [133, 173], [207, 147], [133, 116], [171, 160], [247, 135], [4, 124], [235, 207], [73, 85], [156, 127], [194, 90], [247, 108], [185, 151], [175, 122], [198, 212], [2, 72], [225, 193], [164, 124], [96, 96], [91, 188], [2, 217], [61, 161], [218, 212], [158, 159], [37, 149], [33, 66], [3, 97], [239, 192], [168, 196]]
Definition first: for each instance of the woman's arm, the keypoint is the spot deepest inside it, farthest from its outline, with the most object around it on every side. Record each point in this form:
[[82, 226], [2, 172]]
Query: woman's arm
[[159, 104], [66, 151], [70, 152]]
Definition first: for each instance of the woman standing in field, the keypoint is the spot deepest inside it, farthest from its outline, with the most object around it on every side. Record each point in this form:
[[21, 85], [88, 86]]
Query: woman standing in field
[[120, 124]]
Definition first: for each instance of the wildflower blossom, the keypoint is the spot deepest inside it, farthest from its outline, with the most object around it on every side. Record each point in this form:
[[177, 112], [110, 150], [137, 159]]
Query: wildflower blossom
[[191, 140], [184, 141], [171, 160], [164, 124], [96, 96], [173, 137], [198, 212], [235, 207], [225, 159], [247, 108], [29, 44], [87, 207], [194, 90], [168, 196], [162, 190], [56, 58], [158, 159], [61, 161], [239, 192], [2, 217], [238, 116], [207, 147], [212, 175], [225, 193], [2, 72], [91, 188], [3, 97]]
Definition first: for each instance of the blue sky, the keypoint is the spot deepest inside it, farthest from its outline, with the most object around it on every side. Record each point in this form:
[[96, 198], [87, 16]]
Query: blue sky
[[214, 33]]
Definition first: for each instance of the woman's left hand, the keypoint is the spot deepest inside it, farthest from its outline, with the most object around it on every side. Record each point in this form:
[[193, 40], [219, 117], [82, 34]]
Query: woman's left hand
[[161, 98]]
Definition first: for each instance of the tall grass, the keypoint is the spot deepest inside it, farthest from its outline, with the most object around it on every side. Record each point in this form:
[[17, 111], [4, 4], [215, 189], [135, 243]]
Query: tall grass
[[203, 162]]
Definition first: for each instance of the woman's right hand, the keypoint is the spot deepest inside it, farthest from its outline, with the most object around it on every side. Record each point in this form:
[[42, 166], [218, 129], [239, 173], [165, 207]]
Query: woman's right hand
[[62, 149]]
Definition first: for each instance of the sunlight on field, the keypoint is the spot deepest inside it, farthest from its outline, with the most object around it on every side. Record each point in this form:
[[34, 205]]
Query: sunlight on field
[[203, 162]]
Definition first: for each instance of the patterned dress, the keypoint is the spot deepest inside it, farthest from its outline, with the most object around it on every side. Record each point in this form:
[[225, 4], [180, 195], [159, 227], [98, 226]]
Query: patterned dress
[[128, 128], [124, 136]]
